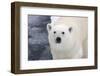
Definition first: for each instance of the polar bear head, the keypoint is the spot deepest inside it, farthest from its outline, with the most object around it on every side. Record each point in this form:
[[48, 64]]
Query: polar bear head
[[58, 34], [61, 36]]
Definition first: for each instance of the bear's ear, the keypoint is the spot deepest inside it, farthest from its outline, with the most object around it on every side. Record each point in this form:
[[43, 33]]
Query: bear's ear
[[70, 29], [49, 27]]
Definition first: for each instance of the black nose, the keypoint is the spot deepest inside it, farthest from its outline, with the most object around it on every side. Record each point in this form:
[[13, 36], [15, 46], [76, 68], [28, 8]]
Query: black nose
[[58, 40]]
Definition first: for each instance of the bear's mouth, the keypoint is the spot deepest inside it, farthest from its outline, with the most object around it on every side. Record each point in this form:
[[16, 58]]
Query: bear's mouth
[[58, 40]]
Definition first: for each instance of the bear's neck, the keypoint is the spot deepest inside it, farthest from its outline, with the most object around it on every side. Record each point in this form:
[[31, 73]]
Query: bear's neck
[[64, 53]]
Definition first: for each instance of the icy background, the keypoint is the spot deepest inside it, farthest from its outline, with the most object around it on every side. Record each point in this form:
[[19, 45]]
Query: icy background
[[38, 46]]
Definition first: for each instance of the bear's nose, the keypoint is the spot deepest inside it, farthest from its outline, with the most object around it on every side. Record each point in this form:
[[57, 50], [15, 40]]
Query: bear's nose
[[58, 40]]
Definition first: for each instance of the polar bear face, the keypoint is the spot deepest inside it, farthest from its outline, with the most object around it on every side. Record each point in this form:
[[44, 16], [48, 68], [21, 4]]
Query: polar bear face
[[60, 35]]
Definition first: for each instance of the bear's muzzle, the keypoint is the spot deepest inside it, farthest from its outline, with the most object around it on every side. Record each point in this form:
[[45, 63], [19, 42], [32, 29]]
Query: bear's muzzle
[[58, 40]]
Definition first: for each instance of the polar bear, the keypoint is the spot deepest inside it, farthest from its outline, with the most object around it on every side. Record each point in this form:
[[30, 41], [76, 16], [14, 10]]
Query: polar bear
[[68, 37]]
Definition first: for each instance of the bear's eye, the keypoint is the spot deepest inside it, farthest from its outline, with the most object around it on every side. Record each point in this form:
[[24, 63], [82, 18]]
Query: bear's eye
[[70, 29], [63, 32], [54, 32]]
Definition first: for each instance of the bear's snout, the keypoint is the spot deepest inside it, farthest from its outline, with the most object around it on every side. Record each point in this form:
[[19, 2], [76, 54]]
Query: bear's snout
[[58, 40]]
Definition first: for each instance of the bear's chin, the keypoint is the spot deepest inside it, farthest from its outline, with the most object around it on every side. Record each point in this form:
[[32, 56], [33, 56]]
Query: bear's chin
[[62, 46]]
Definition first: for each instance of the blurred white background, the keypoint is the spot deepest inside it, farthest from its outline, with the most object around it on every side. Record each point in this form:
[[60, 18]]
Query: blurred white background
[[5, 38]]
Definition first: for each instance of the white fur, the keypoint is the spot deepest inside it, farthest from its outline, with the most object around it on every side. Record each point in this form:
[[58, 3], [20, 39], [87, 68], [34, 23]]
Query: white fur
[[73, 44]]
